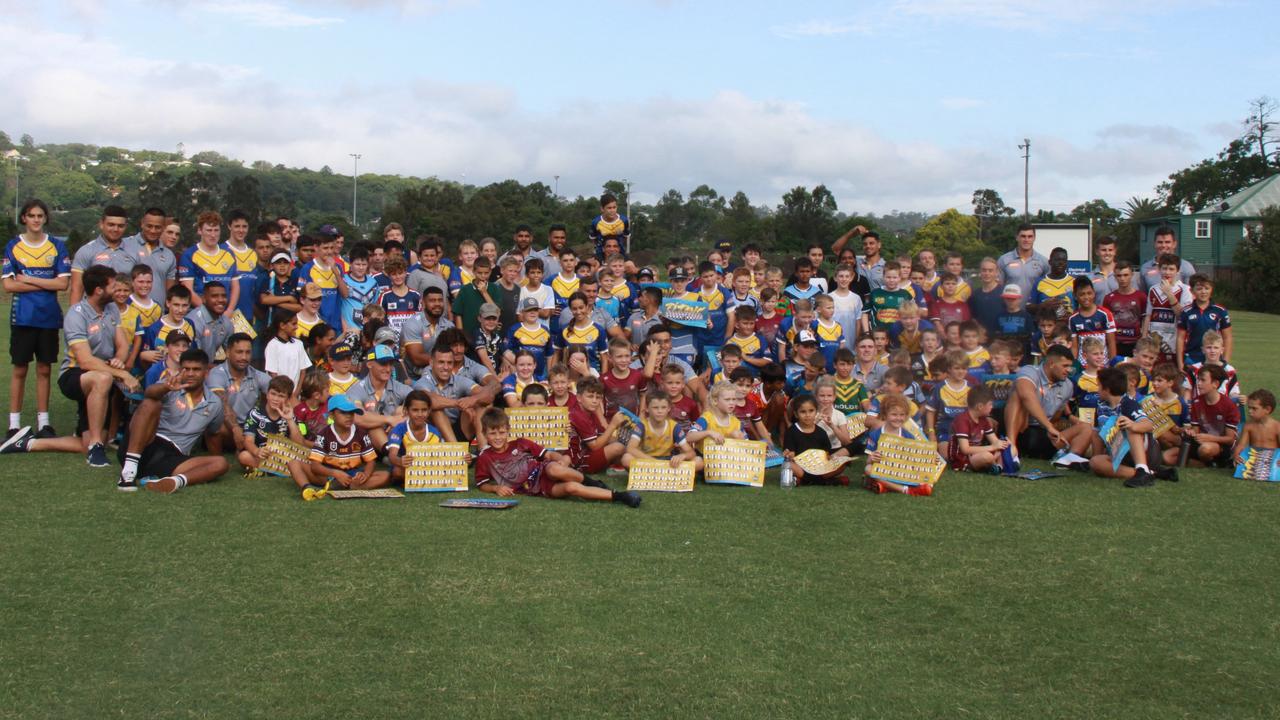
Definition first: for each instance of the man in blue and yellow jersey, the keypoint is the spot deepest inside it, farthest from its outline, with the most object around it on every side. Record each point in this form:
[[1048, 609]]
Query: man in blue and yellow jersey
[[246, 262], [209, 261], [324, 271], [1054, 290]]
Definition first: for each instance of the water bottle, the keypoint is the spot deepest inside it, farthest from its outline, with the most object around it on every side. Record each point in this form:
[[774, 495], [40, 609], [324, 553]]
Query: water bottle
[[787, 479]]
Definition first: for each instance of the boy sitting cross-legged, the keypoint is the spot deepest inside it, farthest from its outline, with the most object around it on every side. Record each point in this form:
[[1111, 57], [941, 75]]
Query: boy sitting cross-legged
[[1261, 431], [509, 467], [1114, 401], [272, 416], [1214, 421], [342, 455], [974, 444], [658, 437]]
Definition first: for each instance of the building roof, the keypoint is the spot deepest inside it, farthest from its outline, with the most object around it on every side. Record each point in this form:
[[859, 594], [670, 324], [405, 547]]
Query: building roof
[[1251, 201]]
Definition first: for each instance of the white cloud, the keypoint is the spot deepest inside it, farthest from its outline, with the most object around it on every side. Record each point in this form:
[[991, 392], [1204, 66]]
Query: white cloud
[[265, 14]]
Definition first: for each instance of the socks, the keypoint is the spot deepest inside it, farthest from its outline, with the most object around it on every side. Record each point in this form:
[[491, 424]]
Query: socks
[[129, 470], [15, 420], [1143, 468], [42, 420], [182, 481]]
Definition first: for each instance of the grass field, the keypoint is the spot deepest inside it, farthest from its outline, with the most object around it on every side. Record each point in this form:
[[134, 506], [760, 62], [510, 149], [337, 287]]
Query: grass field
[[1069, 597]]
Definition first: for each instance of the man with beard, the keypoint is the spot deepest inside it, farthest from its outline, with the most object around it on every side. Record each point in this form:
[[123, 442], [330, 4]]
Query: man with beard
[[871, 265], [523, 244], [455, 400], [419, 333], [380, 396], [210, 322], [239, 385], [557, 236]]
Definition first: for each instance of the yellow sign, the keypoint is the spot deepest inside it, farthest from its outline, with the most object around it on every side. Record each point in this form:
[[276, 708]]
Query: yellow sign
[[1087, 414], [1156, 414], [659, 476], [907, 462], [857, 424], [437, 467], [546, 426], [242, 324], [818, 462], [277, 453], [736, 462]]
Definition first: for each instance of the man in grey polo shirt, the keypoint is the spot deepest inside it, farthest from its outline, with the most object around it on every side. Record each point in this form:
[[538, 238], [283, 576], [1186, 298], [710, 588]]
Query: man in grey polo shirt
[[648, 315], [1040, 393], [239, 385], [107, 249], [557, 236], [418, 334], [96, 350], [1166, 243], [1023, 266], [454, 398], [147, 248], [173, 415], [210, 321], [380, 396]]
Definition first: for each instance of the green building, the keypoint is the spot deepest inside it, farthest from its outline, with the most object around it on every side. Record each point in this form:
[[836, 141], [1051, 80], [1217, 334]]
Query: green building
[[1208, 237]]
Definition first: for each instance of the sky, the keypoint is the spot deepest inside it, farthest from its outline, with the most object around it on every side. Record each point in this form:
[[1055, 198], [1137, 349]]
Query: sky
[[893, 104]]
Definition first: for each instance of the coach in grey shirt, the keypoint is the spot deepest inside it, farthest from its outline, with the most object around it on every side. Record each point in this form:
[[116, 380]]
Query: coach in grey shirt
[[147, 249], [237, 382], [1023, 266], [107, 249], [1166, 243], [1040, 392]]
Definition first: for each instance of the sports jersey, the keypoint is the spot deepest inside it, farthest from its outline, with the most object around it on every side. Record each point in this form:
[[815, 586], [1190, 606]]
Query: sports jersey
[[1127, 311], [584, 428], [258, 425], [1230, 385], [979, 357], [1085, 396], [753, 346], [733, 302], [347, 454], [458, 279], [136, 318], [155, 335], [623, 392], [241, 395], [310, 421], [795, 292], [183, 418], [360, 293], [708, 422], [161, 260], [626, 293], [873, 437], [1163, 311], [327, 278], [512, 384], [913, 408], [535, 339], [1196, 321], [1098, 324], [748, 413], [305, 324], [885, 305], [1127, 407], [455, 388], [46, 260], [201, 267], [403, 438], [1048, 288], [948, 312], [849, 395], [98, 252], [659, 441], [600, 228], [1016, 327], [1176, 407], [717, 313], [246, 260], [684, 411], [383, 402], [561, 289], [1144, 379], [492, 343], [400, 308], [84, 324], [158, 372], [592, 336], [965, 427], [947, 403], [211, 332], [830, 340], [517, 466], [340, 386]]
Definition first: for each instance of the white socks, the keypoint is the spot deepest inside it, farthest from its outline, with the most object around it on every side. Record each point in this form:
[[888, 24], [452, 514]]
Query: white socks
[[15, 420], [42, 420], [129, 471]]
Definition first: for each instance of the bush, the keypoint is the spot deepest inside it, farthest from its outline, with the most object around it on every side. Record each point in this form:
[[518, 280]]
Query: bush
[[1257, 263]]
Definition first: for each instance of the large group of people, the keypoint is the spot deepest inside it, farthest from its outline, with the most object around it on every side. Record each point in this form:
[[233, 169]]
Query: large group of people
[[184, 357]]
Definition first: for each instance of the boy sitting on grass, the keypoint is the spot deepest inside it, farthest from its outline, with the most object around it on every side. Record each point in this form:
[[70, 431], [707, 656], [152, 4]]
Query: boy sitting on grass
[[509, 467], [970, 429], [413, 431], [272, 416], [1261, 431], [592, 447], [342, 455], [1114, 400], [1164, 383], [1214, 421], [658, 437]]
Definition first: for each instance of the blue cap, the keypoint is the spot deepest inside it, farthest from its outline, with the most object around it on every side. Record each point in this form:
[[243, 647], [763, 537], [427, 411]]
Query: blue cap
[[329, 231], [341, 402], [382, 353]]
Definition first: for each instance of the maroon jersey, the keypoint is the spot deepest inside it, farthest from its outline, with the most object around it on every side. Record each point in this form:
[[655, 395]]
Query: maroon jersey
[[310, 422], [975, 431], [518, 466], [570, 402], [768, 327], [684, 412], [949, 312], [584, 428], [622, 392], [1127, 309], [1217, 418], [748, 412]]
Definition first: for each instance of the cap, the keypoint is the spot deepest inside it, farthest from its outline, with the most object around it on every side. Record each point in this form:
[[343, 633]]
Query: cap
[[341, 402], [1012, 290], [646, 272], [806, 336], [382, 353], [678, 273], [530, 304], [340, 351], [312, 291], [489, 310], [724, 245], [281, 256], [176, 336], [386, 336], [328, 231]]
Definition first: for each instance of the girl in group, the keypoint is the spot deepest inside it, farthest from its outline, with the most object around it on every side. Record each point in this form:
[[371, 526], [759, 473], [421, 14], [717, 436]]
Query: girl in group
[[319, 340], [514, 384], [578, 360], [805, 434], [930, 349], [895, 410], [285, 354], [489, 249]]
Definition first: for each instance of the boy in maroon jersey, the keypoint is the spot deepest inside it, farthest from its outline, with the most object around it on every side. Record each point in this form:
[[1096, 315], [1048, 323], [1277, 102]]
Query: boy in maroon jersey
[[592, 447], [973, 444], [509, 467], [1215, 421], [623, 384], [1128, 306], [684, 409]]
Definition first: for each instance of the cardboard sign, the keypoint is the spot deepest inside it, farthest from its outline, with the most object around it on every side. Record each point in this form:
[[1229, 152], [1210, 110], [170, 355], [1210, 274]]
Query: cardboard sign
[[1116, 440], [857, 425], [547, 426], [242, 324], [907, 462], [480, 503], [1001, 387], [1158, 417], [736, 462], [690, 313], [1261, 465], [437, 467], [659, 476], [277, 453], [818, 462], [379, 494]]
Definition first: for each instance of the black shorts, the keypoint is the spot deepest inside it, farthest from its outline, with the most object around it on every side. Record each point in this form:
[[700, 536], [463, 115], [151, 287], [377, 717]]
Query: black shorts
[[1034, 442], [69, 384], [27, 342], [160, 458]]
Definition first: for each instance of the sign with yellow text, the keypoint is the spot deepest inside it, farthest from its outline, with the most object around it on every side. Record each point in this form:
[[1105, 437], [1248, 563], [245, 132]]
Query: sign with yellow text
[[736, 462], [659, 476], [1159, 418], [907, 462], [547, 426], [437, 467], [277, 453], [818, 462]]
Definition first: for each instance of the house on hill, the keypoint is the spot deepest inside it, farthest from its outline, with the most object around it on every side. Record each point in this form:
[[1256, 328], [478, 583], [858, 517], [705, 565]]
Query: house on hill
[[1208, 237]]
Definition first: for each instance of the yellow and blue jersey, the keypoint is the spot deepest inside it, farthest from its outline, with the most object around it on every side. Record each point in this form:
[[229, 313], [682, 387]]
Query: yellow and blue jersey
[[201, 267], [619, 227], [47, 260], [707, 421], [659, 441], [830, 340], [135, 318], [753, 346], [327, 279], [403, 438], [535, 339], [246, 274], [155, 335], [948, 403], [512, 384], [339, 386], [1085, 397], [1048, 288], [594, 337]]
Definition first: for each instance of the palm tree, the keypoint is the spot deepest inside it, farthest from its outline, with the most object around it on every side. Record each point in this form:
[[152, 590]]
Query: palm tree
[[1136, 208]]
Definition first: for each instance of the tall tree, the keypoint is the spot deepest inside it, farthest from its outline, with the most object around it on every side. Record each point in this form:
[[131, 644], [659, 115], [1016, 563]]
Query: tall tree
[[1259, 126], [805, 217], [950, 231]]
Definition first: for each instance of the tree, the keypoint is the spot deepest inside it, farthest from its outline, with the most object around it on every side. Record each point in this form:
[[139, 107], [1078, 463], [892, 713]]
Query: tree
[[5, 143], [244, 193], [739, 222], [805, 217], [28, 143], [68, 190], [1257, 258], [988, 203], [618, 189], [1258, 126], [1103, 215], [950, 231]]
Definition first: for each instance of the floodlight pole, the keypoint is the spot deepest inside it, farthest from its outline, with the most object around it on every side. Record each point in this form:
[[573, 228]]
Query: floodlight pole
[[557, 187], [628, 183], [355, 174], [16, 218], [1025, 147]]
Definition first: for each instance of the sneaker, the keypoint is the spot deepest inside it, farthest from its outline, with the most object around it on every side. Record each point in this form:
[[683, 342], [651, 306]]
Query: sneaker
[[11, 433], [875, 486], [124, 485], [17, 441], [1167, 473], [164, 485], [97, 456], [922, 490], [47, 432], [1141, 478], [628, 497]]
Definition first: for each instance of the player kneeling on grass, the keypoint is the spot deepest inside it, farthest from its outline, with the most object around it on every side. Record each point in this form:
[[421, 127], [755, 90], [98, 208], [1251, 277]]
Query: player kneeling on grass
[[342, 455], [1260, 431], [509, 467], [272, 416], [1114, 401], [413, 431], [658, 437], [894, 410], [974, 444]]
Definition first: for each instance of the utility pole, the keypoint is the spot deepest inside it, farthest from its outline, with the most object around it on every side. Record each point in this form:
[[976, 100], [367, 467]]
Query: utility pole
[[557, 186], [355, 174], [1025, 147], [628, 183], [17, 219]]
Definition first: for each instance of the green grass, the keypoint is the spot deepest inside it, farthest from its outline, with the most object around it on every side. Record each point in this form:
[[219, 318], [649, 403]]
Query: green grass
[[1069, 597]]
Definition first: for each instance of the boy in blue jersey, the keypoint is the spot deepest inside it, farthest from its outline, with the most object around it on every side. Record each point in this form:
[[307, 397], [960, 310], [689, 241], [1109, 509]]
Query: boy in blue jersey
[[246, 263], [608, 224], [755, 349], [1114, 401], [714, 295], [1195, 321], [830, 333], [208, 261], [1054, 290], [362, 289], [1089, 320], [802, 288], [36, 267], [413, 431], [324, 271]]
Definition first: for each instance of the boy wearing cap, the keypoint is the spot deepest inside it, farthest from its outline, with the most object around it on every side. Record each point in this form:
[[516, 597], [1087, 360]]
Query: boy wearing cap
[[380, 396], [340, 377], [489, 342], [531, 335], [175, 343], [342, 454], [309, 316], [277, 292], [1014, 324]]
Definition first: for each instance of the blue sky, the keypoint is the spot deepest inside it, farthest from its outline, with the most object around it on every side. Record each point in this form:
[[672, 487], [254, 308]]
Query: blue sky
[[898, 104]]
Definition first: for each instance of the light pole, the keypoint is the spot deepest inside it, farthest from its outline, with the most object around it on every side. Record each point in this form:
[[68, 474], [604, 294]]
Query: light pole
[[557, 186], [355, 174], [16, 219], [1026, 178], [628, 183]]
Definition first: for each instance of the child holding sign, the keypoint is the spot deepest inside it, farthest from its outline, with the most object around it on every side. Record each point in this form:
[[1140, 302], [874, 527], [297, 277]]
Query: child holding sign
[[413, 431], [719, 421], [272, 416], [658, 437], [1261, 431], [805, 434], [508, 467], [894, 409]]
